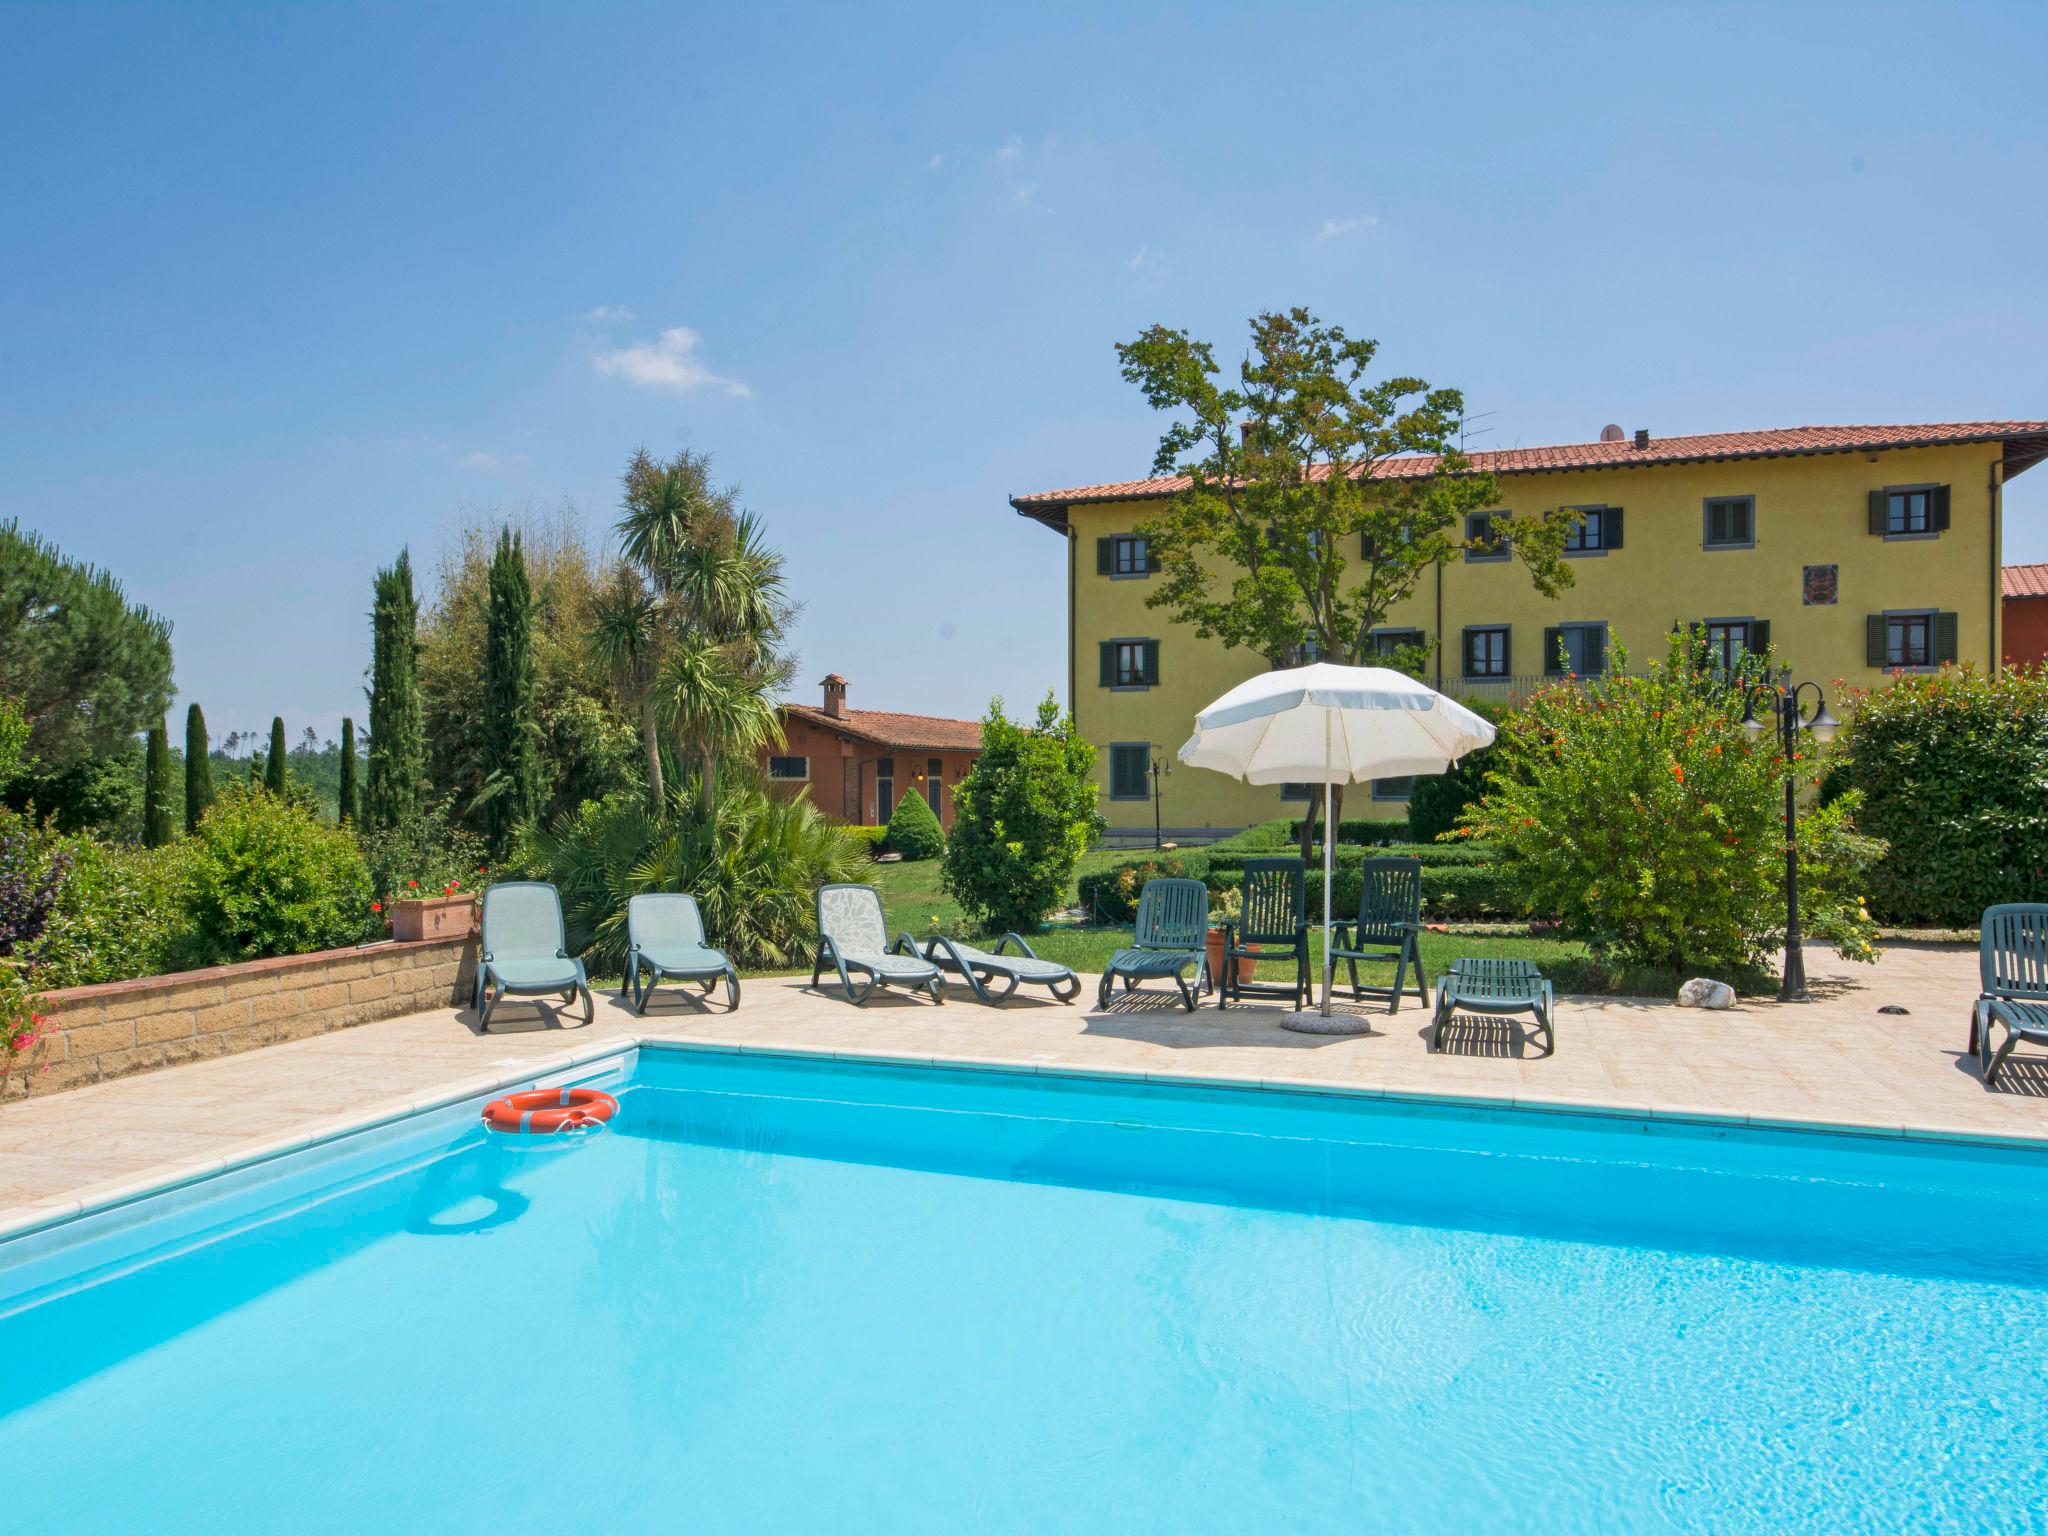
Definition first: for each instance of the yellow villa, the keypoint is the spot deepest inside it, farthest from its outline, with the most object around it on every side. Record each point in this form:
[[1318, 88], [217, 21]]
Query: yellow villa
[[1852, 550]]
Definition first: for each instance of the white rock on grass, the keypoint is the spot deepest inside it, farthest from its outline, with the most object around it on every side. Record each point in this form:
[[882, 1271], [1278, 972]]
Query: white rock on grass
[[1703, 993]]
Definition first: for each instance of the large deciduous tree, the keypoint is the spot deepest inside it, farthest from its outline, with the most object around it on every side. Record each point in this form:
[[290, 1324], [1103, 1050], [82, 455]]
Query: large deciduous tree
[[397, 739], [1318, 496], [511, 788]]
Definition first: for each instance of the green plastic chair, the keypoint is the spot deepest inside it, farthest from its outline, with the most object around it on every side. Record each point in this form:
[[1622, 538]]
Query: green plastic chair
[[1494, 986], [2012, 971], [1389, 927], [854, 937], [1173, 922], [1275, 919], [525, 950], [665, 938], [979, 967]]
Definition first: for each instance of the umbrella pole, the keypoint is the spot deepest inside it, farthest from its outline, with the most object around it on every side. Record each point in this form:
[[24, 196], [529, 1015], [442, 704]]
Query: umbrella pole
[[1329, 841]]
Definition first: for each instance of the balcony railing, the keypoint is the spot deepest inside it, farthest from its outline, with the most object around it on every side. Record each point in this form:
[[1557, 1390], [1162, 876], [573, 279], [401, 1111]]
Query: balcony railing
[[1504, 691]]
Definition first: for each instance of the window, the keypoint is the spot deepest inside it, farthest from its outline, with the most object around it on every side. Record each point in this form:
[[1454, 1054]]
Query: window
[[789, 767], [1909, 511], [1129, 663], [1729, 640], [885, 790], [934, 776], [1578, 648], [1389, 642], [1129, 762], [1599, 530], [1486, 651], [1298, 791], [1913, 637], [1486, 535], [1122, 555], [1393, 789], [1730, 522]]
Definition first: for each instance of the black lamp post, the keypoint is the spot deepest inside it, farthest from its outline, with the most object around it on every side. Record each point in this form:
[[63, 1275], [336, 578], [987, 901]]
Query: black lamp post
[[1161, 766], [1782, 702]]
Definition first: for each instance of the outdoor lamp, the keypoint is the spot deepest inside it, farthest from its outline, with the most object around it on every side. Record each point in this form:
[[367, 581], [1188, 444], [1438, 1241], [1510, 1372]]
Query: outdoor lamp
[[1823, 725]]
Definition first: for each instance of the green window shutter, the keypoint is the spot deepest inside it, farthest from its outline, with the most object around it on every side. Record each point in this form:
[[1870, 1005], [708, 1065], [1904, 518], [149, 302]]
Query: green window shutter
[[1874, 640], [1610, 536], [1105, 555], [1107, 648], [1552, 639], [1596, 652], [1507, 652], [1880, 511], [1944, 637], [1938, 509], [1365, 546], [1151, 663], [1760, 635]]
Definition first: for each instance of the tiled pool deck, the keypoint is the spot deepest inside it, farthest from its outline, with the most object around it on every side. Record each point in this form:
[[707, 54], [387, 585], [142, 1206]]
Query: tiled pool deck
[[1836, 1060]]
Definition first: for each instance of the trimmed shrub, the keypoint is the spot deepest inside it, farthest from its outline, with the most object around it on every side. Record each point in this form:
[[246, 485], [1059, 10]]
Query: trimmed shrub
[[914, 831], [1022, 818], [1360, 830], [1950, 766], [870, 838], [1437, 800], [264, 876], [1638, 810]]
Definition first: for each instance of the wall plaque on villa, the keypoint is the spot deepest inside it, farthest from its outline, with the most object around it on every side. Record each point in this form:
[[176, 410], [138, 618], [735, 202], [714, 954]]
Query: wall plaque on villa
[[1820, 586]]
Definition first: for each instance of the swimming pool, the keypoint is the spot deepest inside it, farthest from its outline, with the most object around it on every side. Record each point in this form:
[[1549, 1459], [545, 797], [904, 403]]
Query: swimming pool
[[794, 1294]]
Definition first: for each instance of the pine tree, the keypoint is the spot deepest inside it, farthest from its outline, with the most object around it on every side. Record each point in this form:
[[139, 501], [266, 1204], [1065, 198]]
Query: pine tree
[[348, 772], [274, 764], [511, 757], [397, 737], [156, 788], [198, 768]]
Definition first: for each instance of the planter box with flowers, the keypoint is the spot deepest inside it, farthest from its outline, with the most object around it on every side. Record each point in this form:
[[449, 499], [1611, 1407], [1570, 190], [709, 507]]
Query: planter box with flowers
[[450, 915]]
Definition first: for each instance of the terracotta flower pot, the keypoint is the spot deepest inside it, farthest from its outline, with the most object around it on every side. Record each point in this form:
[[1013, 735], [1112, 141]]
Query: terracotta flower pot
[[1246, 964], [433, 917]]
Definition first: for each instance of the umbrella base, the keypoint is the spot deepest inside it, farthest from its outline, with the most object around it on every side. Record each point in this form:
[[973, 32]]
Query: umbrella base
[[1314, 1022]]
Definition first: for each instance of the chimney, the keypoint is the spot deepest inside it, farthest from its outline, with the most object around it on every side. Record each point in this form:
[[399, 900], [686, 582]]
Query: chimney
[[835, 695], [1642, 437]]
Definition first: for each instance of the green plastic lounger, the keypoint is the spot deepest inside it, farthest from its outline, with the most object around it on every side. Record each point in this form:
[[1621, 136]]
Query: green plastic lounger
[[1274, 926], [525, 950], [665, 939], [1389, 927], [1173, 924], [1493, 986], [854, 938], [2012, 970], [979, 967]]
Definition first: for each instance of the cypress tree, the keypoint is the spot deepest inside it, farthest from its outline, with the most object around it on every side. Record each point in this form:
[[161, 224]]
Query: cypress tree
[[274, 764], [198, 768], [511, 759], [348, 772], [397, 736], [156, 788]]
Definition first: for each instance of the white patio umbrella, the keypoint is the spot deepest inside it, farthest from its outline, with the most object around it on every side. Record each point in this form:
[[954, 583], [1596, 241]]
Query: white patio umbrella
[[1340, 725]]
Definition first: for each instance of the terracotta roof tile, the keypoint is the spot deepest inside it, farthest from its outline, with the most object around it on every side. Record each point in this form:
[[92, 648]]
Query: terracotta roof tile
[[1622, 454], [2026, 581], [886, 728]]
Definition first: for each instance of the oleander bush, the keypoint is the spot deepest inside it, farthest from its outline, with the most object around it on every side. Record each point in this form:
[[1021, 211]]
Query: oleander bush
[[914, 830], [1952, 768], [264, 875], [1639, 811]]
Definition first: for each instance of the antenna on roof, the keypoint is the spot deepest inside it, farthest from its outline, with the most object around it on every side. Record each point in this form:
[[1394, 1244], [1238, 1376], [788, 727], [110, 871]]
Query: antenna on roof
[[1464, 425]]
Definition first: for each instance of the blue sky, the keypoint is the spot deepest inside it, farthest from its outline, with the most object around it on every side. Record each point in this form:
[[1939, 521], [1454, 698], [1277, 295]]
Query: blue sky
[[282, 289]]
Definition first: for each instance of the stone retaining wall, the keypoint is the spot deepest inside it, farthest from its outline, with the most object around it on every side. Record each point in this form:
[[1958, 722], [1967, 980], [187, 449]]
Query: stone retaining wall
[[122, 1027]]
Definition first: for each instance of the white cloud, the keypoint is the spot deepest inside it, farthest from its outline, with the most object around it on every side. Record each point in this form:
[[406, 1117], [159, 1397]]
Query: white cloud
[[1332, 228], [935, 162], [669, 362], [1143, 259], [605, 314], [1025, 192], [478, 459], [1012, 149]]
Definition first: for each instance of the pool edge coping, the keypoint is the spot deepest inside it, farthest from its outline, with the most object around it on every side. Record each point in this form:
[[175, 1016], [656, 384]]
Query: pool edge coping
[[44, 1215]]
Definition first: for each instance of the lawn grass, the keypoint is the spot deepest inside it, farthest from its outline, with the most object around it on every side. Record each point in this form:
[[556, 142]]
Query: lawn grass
[[912, 898]]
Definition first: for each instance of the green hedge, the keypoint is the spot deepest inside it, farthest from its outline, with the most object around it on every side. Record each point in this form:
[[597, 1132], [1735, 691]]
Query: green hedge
[[1951, 766], [870, 838], [1458, 881]]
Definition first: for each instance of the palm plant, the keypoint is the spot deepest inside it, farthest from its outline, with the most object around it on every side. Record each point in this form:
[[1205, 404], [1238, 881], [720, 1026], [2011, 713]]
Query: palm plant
[[626, 639]]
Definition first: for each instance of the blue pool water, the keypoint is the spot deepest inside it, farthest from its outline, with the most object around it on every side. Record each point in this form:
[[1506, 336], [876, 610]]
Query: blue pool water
[[798, 1296]]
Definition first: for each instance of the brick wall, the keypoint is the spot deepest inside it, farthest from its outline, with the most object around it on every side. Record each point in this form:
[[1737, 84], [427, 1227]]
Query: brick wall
[[122, 1027]]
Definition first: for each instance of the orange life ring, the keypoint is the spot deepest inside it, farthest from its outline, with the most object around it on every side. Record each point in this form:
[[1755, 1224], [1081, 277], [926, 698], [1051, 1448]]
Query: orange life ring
[[546, 1110]]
